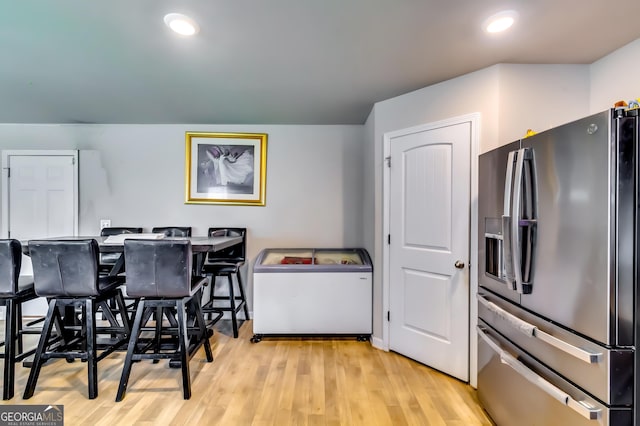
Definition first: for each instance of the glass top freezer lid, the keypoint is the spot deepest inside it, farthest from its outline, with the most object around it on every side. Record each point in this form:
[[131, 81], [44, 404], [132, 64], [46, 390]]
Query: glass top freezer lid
[[312, 258], [287, 257], [309, 257], [338, 257]]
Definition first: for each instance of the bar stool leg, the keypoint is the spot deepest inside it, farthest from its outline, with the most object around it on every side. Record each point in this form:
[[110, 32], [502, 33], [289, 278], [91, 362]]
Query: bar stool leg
[[128, 361], [10, 348], [244, 297], [183, 339], [126, 321], [92, 364], [18, 308], [232, 304], [212, 294], [159, 315], [52, 315], [199, 321]]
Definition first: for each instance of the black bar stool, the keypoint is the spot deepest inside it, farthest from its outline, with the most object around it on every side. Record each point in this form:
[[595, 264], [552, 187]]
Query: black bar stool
[[14, 291], [176, 231], [66, 272], [159, 276], [108, 260], [173, 231], [227, 263]]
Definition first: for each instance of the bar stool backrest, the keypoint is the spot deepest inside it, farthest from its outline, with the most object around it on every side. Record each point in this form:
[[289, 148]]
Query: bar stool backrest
[[10, 263], [158, 268], [173, 231], [105, 232], [234, 254], [108, 259], [65, 268]]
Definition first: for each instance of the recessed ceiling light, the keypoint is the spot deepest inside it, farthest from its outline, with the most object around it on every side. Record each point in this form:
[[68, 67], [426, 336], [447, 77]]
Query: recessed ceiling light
[[500, 21], [181, 24]]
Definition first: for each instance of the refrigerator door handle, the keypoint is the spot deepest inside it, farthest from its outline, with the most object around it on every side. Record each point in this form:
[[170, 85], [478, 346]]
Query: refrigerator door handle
[[516, 198], [507, 242], [580, 407], [518, 220], [533, 331]]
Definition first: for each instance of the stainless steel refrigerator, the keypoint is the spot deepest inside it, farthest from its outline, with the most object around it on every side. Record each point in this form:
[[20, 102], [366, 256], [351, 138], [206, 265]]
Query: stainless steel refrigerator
[[557, 300]]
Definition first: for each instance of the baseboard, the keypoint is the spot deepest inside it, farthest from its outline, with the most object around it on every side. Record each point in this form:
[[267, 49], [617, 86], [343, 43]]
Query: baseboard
[[377, 343]]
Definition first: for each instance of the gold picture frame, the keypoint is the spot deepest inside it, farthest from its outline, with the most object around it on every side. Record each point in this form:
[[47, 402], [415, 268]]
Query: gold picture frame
[[226, 168]]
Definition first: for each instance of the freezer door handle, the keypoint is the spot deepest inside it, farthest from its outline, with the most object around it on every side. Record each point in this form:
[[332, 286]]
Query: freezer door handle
[[581, 407], [533, 331]]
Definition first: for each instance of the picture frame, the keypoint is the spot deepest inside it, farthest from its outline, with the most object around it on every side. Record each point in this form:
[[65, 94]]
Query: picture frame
[[225, 168]]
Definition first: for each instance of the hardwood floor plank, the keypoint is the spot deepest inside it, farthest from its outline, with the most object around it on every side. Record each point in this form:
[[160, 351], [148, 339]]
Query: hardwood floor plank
[[279, 381]]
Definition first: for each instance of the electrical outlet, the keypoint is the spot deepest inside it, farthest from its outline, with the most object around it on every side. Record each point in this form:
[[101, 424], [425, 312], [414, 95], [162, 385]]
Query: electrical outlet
[[105, 223]]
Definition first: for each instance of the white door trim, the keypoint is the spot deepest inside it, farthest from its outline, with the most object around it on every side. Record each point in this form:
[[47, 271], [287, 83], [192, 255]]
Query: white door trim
[[4, 223], [474, 119]]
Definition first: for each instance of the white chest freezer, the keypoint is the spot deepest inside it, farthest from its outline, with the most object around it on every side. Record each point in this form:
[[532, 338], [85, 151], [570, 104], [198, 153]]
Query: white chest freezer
[[312, 292]]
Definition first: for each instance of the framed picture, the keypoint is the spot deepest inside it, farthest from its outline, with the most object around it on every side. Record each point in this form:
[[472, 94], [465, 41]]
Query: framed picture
[[226, 168]]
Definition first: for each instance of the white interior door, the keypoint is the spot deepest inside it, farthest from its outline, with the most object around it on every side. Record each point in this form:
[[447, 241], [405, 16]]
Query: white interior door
[[40, 200], [429, 220]]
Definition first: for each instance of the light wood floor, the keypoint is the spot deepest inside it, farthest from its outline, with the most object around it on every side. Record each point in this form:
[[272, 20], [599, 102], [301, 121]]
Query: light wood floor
[[278, 381]]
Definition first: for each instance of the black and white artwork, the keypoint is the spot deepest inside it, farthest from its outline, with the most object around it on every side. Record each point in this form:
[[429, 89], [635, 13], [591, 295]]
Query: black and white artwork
[[226, 168]]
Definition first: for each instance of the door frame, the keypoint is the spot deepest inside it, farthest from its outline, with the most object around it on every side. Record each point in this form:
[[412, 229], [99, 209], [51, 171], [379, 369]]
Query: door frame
[[4, 223], [474, 120]]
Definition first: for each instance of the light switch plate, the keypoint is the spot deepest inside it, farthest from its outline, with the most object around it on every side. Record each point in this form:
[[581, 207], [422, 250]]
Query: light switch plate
[[105, 223]]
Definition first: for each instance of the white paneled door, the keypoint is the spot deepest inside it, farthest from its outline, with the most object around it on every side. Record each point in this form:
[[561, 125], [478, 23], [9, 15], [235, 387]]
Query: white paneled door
[[429, 216], [40, 199]]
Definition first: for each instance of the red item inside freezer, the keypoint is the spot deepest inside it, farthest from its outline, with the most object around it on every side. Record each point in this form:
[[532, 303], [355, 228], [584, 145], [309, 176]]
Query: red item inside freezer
[[295, 260]]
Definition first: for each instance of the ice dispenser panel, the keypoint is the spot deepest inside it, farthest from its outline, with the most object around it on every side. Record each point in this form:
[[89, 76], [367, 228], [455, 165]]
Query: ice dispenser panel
[[493, 247]]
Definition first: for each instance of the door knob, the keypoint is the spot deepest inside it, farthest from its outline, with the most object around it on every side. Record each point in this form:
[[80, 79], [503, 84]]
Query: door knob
[[459, 264]]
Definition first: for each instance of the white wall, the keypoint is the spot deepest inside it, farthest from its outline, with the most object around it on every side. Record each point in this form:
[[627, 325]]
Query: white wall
[[538, 97], [615, 77], [134, 175], [474, 92], [368, 189]]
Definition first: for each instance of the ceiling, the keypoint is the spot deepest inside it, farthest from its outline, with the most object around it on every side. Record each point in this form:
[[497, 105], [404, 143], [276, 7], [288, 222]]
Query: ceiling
[[272, 61]]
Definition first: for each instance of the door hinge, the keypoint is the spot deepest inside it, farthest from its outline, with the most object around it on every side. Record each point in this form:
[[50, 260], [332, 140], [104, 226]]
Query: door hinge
[[388, 160], [73, 161], [389, 239], [389, 316]]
